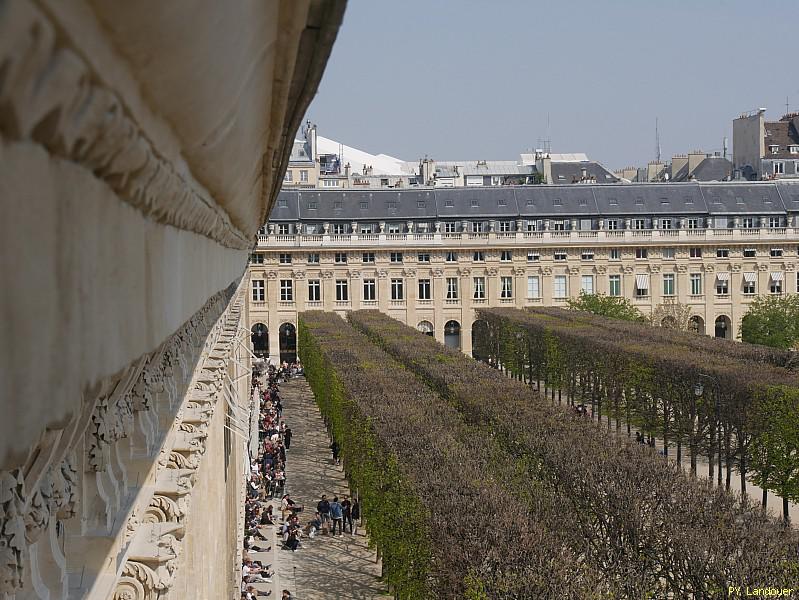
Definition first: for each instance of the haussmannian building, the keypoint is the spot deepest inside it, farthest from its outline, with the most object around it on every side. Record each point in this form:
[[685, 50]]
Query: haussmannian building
[[432, 257]]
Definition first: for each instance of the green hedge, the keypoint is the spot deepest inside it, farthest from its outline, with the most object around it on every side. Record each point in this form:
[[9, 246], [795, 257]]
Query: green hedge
[[451, 512], [652, 531]]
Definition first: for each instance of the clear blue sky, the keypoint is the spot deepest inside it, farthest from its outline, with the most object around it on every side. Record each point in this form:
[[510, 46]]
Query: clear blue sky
[[476, 79]]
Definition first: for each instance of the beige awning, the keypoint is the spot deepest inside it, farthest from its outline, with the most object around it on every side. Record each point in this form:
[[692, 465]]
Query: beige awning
[[750, 277], [723, 275], [642, 281], [776, 276]]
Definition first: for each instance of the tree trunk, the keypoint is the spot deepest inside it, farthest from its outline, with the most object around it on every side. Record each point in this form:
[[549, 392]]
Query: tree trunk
[[765, 499], [785, 516], [742, 468], [728, 458]]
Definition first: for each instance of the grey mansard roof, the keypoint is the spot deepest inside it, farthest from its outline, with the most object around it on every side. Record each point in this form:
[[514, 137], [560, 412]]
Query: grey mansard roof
[[539, 201]]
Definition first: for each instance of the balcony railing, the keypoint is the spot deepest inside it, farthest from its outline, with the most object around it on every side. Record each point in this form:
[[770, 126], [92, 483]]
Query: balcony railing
[[514, 239]]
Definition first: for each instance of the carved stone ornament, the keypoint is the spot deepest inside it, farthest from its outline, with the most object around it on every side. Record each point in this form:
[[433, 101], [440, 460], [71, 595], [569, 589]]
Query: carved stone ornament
[[51, 96], [628, 270], [519, 271], [736, 268], [327, 274], [654, 268], [464, 272], [492, 271], [12, 531], [789, 267], [409, 272], [271, 275], [682, 268], [574, 270], [299, 275], [601, 269], [354, 274], [710, 268], [547, 270], [382, 273]]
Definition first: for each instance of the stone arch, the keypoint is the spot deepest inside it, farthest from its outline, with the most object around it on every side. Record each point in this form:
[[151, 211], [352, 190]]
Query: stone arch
[[452, 334], [260, 340], [426, 327], [480, 341], [723, 327], [288, 343], [697, 324]]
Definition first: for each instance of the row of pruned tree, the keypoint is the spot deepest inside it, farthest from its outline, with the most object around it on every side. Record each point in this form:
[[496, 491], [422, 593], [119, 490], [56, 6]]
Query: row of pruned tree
[[713, 398], [652, 531], [440, 500]]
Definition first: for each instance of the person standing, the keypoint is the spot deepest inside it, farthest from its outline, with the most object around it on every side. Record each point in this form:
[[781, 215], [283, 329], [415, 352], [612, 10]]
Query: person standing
[[346, 509], [323, 508], [334, 448], [355, 512], [337, 515], [287, 438]]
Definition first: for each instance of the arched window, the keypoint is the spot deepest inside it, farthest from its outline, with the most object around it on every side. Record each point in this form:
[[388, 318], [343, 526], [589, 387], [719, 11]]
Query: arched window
[[288, 343], [452, 334], [260, 340], [697, 325], [426, 327], [723, 327]]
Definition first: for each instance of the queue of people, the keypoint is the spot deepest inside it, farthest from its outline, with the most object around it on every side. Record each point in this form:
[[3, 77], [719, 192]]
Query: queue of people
[[267, 477], [267, 482]]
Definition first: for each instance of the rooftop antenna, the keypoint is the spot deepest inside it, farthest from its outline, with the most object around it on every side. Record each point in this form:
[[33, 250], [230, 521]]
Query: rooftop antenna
[[787, 105], [546, 143], [657, 140]]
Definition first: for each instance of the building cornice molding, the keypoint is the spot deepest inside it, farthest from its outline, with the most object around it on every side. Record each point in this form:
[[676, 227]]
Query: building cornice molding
[[51, 96]]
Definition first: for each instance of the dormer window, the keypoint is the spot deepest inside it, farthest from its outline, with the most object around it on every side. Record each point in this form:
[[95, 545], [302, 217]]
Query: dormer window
[[774, 149], [793, 149]]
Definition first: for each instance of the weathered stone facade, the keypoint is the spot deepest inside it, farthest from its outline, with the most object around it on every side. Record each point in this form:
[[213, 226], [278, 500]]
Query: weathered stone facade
[[138, 155]]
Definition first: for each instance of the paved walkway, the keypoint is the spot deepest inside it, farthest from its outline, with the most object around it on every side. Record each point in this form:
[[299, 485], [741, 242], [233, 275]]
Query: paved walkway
[[326, 567]]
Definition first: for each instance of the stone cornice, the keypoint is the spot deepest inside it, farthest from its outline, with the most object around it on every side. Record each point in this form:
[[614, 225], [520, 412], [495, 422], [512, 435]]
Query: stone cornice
[[49, 95]]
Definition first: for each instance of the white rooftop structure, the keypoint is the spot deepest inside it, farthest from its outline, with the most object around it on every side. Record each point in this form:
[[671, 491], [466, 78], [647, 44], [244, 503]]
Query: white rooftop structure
[[529, 158], [382, 164]]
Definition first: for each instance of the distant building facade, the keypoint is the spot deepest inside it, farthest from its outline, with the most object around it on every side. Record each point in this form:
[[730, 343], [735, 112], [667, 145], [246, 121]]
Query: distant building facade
[[431, 257], [766, 149]]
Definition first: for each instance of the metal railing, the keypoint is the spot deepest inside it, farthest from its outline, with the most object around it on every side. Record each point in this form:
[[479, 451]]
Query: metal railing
[[421, 240]]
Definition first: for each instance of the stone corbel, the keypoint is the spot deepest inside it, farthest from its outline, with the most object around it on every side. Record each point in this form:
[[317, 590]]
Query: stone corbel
[[13, 544], [519, 271], [150, 569]]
